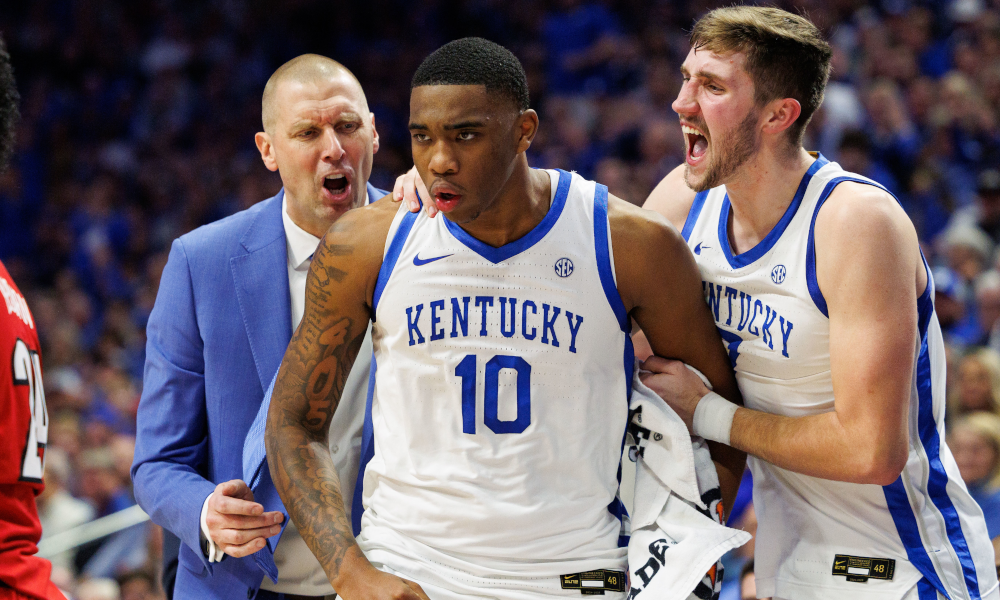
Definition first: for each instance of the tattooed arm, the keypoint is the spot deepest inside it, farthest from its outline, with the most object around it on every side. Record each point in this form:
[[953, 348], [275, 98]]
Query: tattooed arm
[[306, 394]]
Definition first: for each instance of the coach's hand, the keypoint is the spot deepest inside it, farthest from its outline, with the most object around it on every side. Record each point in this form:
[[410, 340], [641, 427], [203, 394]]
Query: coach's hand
[[237, 524], [673, 381], [406, 189]]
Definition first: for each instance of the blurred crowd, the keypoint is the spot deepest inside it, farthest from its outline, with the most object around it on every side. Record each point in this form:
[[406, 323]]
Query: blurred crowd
[[138, 123]]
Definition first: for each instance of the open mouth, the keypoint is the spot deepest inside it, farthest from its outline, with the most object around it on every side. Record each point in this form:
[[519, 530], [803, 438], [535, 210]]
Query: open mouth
[[446, 201], [336, 184], [697, 144]]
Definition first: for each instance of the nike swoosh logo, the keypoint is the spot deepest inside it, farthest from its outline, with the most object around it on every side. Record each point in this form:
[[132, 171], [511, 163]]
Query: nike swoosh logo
[[698, 248], [418, 261]]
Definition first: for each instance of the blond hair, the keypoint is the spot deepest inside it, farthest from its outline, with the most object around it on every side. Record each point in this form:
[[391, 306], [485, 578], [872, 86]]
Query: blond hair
[[988, 426], [786, 55]]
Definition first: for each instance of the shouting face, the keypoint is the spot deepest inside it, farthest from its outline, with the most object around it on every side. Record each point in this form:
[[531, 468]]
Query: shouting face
[[321, 139], [719, 118]]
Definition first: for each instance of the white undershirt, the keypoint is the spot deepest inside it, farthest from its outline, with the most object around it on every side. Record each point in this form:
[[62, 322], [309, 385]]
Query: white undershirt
[[300, 572]]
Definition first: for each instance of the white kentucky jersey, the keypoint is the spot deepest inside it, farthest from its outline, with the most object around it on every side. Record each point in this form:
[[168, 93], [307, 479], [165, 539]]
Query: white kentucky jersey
[[500, 397], [822, 539]]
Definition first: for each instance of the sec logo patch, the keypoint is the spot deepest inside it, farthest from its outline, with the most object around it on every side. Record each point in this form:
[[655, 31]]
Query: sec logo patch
[[564, 267], [778, 274]]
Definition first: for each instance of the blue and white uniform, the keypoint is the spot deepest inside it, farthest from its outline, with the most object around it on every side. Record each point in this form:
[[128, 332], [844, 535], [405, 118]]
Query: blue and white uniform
[[499, 404], [919, 537]]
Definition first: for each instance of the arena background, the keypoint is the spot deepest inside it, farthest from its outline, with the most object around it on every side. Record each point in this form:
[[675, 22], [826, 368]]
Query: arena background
[[138, 121]]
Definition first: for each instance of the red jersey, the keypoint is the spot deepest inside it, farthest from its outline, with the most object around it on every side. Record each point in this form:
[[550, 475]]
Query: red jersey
[[25, 424]]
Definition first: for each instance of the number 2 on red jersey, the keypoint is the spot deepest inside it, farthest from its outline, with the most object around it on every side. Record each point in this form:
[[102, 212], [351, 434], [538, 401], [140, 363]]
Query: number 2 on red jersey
[[27, 371]]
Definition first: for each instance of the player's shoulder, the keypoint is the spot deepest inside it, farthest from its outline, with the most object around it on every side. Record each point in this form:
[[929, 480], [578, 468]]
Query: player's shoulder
[[642, 233], [364, 230], [672, 198], [368, 219], [857, 210]]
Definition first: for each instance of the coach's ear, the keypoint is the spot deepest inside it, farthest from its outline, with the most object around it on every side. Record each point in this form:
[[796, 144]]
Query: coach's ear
[[527, 127], [263, 142]]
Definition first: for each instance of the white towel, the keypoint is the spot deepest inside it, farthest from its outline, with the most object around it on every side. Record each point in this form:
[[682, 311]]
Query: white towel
[[677, 532]]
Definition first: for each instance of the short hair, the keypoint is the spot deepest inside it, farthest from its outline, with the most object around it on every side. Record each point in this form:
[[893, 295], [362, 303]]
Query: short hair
[[303, 68], [475, 61], [9, 100], [787, 56]]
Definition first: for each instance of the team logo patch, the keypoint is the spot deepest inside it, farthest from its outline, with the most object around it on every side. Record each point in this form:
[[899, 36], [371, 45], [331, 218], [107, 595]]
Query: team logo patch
[[778, 274], [564, 267]]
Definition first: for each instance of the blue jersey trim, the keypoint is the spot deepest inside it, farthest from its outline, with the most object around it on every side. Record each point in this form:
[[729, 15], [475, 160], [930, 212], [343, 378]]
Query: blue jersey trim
[[389, 262], [937, 481], [693, 213], [367, 452], [604, 267], [605, 270], [498, 255], [811, 282], [909, 533], [765, 245], [926, 590]]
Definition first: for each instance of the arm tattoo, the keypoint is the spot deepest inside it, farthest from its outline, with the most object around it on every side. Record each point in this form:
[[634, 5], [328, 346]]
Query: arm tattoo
[[306, 394]]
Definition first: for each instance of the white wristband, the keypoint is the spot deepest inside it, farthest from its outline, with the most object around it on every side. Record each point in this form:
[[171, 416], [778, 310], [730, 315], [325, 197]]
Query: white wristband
[[713, 418]]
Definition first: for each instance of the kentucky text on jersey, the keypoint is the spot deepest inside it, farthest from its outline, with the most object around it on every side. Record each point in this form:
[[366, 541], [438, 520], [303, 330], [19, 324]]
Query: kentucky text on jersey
[[747, 313], [529, 319], [15, 303]]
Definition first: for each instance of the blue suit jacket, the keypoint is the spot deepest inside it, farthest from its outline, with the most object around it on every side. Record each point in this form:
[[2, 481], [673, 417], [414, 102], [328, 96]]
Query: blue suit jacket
[[216, 336]]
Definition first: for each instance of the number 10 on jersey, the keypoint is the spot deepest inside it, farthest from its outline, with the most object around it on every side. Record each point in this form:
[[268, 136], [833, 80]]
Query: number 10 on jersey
[[467, 371]]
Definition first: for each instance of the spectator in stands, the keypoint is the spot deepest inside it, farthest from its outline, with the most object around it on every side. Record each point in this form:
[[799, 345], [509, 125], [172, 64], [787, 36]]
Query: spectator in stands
[[854, 154], [58, 510], [581, 39], [894, 138], [975, 441], [103, 486], [968, 250], [138, 585], [987, 308], [984, 213], [101, 588], [979, 384], [960, 328]]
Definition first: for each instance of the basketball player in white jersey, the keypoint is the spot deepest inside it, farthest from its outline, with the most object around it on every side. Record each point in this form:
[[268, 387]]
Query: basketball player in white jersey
[[815, 279], [502, 361]]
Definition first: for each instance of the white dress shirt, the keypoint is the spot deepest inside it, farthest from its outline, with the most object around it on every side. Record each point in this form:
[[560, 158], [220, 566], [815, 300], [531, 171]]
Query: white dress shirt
[[299, 571]]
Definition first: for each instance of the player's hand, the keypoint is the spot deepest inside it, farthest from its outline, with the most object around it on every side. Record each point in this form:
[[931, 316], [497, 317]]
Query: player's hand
[[238, 525], [406, 189], [675, 383], [372, 584]]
